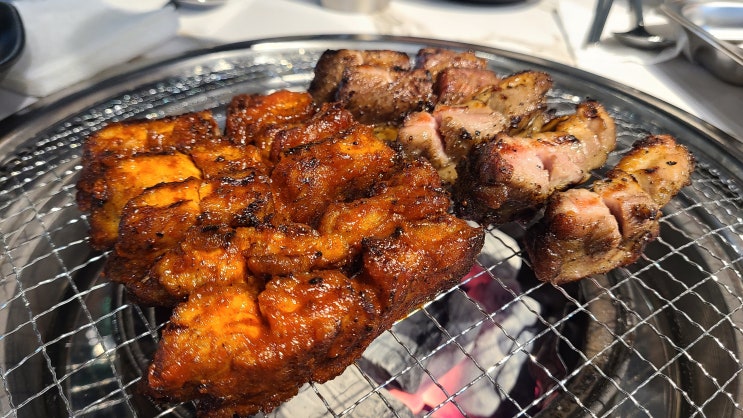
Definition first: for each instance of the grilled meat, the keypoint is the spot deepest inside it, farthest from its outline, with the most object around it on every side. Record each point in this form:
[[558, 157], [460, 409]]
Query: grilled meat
[[289, 243], [446, 135], [309, 178], [331, 65], [455, 86], [294, 239], [520, 97], [659, 165], [377, 95], [586, 232], [375, 86], [104, 190], [302, 326], [511, 177], [124, 159], [437, 60]]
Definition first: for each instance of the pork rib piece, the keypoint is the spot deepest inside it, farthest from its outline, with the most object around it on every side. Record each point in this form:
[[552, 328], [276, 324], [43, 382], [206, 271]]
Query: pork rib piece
[[376, 86], [511, 177], [447, 134], [585, 232]]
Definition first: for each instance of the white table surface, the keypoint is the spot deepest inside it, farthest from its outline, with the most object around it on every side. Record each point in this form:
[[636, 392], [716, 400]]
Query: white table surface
[[545, 28]]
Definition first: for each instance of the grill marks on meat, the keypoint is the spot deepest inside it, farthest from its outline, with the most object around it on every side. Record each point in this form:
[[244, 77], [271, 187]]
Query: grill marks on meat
[[375, 86], [337, 169], [585, 232], [511, 177], [520, 97], [332, 64], [473, 107], [377, 94], [286, 245]]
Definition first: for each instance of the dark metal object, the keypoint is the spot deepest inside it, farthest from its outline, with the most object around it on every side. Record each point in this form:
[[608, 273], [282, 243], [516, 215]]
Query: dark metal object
[[715, 32], [12, 36], [638, 36], [662, 338], [599, 21]]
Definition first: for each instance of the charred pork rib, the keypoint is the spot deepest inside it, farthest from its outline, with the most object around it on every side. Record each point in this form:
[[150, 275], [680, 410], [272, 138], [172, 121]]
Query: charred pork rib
[[585, 232], [491, 138]]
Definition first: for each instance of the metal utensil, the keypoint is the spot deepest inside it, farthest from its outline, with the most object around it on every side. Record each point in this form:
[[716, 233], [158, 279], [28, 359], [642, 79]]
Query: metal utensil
[[638, 36], [599, 21]]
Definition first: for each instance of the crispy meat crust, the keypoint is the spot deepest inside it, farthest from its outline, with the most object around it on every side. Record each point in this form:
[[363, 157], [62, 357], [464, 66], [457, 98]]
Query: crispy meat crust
[[285, 246]]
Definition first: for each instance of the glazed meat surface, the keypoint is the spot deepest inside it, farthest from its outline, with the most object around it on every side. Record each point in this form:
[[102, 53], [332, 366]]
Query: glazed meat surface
[[235, 336], [294, 239], [585, 232], [124, 159]]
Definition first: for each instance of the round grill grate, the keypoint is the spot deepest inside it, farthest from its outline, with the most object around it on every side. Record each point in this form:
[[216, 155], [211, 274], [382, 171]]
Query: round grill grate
[[661, 338]]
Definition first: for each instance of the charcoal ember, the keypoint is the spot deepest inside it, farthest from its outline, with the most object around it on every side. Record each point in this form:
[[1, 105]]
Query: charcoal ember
[[402, 352]]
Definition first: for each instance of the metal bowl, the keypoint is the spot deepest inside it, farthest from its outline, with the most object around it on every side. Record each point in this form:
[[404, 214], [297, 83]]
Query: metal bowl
[[715, 33]]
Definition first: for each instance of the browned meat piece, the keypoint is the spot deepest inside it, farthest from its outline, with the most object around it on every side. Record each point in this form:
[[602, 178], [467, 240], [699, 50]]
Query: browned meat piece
[[232, 336], [253, 119], [511, 177], [455, 86], [310, 178], [413, 193], [329, 121], [174, 133], [421, 259], [590, 232], [436, 60], [222, 159], [237, 202], [123, 159], [151, 224], [379, 95], [104, 191], [520, 97], [463, 127], [169, 216], [509, 105], [446, 135], [419, 135], [660, 165], [329, 68]]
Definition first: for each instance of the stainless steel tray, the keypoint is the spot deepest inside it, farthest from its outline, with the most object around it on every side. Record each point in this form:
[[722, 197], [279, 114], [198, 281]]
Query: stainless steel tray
[[715, 33], [661, 338]]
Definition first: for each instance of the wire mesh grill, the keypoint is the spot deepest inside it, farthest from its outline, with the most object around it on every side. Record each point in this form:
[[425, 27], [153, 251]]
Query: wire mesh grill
[[661, 337]]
